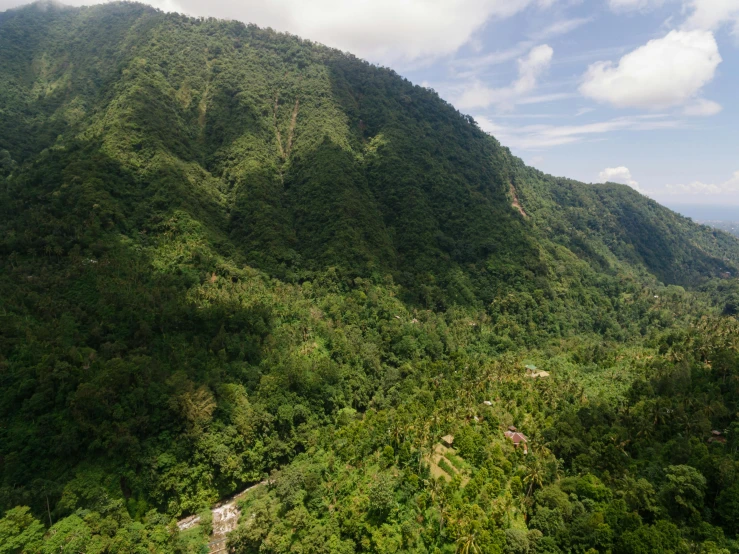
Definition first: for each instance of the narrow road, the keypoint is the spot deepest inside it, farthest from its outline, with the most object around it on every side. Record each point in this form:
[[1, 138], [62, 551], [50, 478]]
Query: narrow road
[[225, 519]]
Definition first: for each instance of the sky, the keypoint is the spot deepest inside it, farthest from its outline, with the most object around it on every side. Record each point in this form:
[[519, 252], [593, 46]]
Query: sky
[[639, 92]]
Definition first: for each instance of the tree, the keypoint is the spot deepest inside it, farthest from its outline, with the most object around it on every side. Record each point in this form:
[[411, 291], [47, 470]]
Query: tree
[[71, 534], [683, 491], [660, 538], [382, 495], [20, 532], [727, 505]]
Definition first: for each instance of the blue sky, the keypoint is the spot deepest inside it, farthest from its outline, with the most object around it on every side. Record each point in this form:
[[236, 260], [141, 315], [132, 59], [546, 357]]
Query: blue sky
[[660, 114], [642, 92]]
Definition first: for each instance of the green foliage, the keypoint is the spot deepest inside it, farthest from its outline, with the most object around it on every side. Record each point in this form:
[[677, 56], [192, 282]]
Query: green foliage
[[20, 531], [683, 491], [230, 255], [443, 464]]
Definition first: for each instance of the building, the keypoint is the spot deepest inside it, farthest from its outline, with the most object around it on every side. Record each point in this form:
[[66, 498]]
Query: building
[[447, 440], [518, 438]]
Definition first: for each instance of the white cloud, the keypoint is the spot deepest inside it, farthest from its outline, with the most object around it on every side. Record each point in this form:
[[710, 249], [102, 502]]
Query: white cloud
[[712, 14], [561, 27], [530, 69], [698, 187], [534, 137], [702, 107], [384, 31], [533, 65], [663, 73], [494, 58], [619, 174]]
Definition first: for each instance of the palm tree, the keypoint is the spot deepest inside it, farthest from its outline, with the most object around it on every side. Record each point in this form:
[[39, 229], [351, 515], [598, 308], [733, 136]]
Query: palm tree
[[396, 433], [466, 542], [534, 475], [438, 496]]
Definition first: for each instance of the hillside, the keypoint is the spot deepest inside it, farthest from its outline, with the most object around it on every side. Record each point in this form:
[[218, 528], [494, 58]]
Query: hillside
[[226, 251]]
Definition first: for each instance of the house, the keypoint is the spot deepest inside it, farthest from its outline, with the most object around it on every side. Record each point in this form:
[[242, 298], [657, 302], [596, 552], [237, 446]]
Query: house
[[447, 440], [488, 403], [517, 438], [717, 436], [533, 372]]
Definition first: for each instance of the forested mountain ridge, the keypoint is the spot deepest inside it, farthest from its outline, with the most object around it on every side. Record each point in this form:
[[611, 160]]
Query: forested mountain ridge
[[222, 248], [307, 157]]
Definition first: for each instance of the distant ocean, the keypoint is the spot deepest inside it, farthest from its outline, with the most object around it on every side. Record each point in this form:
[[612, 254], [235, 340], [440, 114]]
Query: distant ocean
[[699, 212]]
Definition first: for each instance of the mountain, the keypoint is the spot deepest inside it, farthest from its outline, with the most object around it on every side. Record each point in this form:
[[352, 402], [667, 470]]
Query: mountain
[[226, 250]]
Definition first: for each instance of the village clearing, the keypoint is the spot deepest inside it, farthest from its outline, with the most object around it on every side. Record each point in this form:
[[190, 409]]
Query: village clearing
[[444, 462]]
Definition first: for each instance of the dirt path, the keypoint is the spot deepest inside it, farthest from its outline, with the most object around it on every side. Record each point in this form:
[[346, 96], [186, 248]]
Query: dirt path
[[225, 519], [516, 202]]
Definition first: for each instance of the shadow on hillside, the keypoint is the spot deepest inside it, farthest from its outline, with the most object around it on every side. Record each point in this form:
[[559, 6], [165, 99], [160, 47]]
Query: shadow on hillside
[[441, 186], [123, 321]]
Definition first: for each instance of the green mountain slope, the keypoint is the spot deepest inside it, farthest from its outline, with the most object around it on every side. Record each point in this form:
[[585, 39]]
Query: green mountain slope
[[307, 158], [218, 242]]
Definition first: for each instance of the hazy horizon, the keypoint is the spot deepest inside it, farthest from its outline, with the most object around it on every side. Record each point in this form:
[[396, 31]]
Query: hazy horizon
[[706, 212]]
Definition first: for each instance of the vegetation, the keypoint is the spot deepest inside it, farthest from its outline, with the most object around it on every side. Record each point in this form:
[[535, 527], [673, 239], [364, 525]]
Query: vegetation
[[229, 254]]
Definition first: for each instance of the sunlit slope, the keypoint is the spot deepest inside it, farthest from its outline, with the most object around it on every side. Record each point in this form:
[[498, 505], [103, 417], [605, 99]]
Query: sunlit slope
[[214, 237], [298, 157]]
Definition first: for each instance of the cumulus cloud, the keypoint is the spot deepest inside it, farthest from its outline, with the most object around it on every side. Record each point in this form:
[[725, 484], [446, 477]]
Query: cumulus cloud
[[663, 73], [530, 68], [384, 31], [536, 137], [698, 187], [619, 174]]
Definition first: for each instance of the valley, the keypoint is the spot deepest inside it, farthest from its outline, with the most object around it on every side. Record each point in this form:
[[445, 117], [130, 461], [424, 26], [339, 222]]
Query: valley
[[251, 285]]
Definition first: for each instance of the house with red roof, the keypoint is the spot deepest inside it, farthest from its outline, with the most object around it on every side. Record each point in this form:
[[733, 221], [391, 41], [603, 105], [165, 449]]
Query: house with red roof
[[517, 438]]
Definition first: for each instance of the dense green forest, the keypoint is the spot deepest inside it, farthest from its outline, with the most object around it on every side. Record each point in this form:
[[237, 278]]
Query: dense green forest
[[230, 255]]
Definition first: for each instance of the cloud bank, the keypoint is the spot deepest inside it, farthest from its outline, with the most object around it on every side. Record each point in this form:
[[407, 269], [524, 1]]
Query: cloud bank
[[698, 187]]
